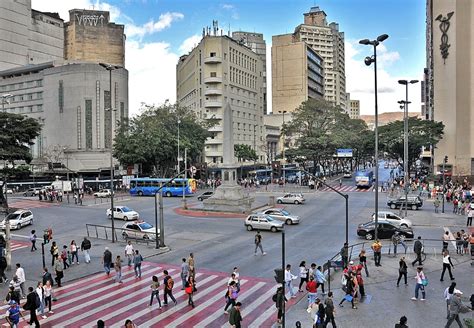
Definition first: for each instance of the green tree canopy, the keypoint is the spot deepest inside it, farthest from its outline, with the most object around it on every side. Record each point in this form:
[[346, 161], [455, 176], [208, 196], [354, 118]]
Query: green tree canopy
[[151, 138], [245, 153]]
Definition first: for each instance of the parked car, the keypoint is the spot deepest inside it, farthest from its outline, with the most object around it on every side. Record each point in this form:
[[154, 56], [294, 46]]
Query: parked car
[[103, 193], [139, 230], [123, 213], [262, 222], [32, 192], [18, 219], [414, 202], [281, 215], [385, 230], [205, 195], [347, 175], [291, 199], [393, 218], [9, 191]]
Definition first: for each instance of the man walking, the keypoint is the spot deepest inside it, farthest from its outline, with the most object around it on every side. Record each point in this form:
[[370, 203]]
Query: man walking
[[184, 272], [58, 268], [258, 243], [417, 248], [20, 273], [137, 264], [447, 264], [31, 305], [280, 300], [377, 248], [169, 283], [289, 277], [330, 311], [85, 247], [129, 251], [235, 316], [107, 261], [191, 265], [345, 254], [455, 307], [33, 240], [470, 213]]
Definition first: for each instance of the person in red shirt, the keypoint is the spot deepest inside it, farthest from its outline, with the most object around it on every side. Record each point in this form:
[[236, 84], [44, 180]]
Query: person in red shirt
[[312, 288]]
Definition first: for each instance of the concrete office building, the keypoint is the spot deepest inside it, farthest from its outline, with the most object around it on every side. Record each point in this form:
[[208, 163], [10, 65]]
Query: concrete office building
[[69, 101], [450, 64], [352, 107], [297, 73], [256, 42], [218, 71]]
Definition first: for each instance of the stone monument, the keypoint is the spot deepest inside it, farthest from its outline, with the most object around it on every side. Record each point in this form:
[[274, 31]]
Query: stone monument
[[229, 196]]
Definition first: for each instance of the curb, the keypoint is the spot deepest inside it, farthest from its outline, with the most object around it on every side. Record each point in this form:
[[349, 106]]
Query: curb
[[202, 213]]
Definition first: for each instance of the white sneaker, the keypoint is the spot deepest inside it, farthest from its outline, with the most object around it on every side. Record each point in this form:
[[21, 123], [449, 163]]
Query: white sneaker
[[413, 299], [43, 316], [264, 253], [51, 312], [423, 299]]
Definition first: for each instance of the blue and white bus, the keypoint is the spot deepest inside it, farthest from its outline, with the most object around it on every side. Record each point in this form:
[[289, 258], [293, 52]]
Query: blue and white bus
[[364, 178], [149, 187]]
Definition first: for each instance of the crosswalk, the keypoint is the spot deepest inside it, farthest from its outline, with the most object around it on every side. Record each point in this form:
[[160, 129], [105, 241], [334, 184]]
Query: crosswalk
[[16, 245], [84, 301], [29, 203], [345, 188]]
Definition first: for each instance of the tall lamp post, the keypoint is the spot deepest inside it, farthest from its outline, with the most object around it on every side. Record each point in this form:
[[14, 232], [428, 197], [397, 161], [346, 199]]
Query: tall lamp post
[[110, 68], [177, 168], [368, 61], [283, 152], [5, 98], [405, 140]]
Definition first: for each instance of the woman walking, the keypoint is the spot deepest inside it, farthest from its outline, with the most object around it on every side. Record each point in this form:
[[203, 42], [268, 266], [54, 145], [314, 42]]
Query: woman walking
[[312, 289], [118, 269], [320, 278], [448, 294], [421, 282], [231, 296], [40, 292], [155, 291], [48, 295], [459, 243], [349, 292], [447, 264], [363, 261], [402, 271], [189, 289], [303, 275], [73, 248]]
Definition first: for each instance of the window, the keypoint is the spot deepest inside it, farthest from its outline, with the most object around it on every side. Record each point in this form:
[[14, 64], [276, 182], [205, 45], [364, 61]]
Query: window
[[213, 74], [213, 54], [88, 124], [61, 96], [107, 120]]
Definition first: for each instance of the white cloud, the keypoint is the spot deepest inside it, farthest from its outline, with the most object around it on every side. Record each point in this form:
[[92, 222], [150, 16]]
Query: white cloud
[[227, 6], [62, 7], [189, 44], [151, 27], [360, 80]]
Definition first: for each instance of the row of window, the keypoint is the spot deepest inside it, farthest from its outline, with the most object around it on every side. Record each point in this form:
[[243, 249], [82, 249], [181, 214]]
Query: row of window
[[21, 85], [27, 97], [26, 109], [243, 78], [243, 60]]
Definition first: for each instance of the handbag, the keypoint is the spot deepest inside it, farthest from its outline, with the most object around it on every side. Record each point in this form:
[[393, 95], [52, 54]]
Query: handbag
[[424, 282], [348, 298], [188, 290]]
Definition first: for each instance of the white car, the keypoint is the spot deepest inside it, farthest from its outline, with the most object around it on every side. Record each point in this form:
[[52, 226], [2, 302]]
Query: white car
[[18, 219], [291, 199], [123, 213], [260, 221], [347, 175], [393, 218], [103, 193], [139, 230], [281, 215]]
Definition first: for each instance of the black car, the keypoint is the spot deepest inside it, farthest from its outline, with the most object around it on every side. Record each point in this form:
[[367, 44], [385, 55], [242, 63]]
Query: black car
[[205, 195], [385, 230], [413, 202]]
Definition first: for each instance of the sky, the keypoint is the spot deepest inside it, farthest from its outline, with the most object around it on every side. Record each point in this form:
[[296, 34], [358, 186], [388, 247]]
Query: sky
[[160, 31]]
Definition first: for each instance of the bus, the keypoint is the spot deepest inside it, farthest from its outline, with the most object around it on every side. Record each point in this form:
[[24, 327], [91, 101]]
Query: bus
[[149, 187], [364, 178]]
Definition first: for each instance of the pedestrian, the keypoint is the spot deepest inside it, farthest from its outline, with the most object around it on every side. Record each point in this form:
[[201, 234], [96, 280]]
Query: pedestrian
[[169, 283], [129, 324], [418, 249], [436, 205], [85, 247], [184, 272], [360, 281], [48, 296], [231, 296], [47, 277], [303, 275], [459, 242], [456, 307], [344, 255], [402, 270], [137, 264], [289, 277], [3, 267], [421, 282], [258, 243], [191, 265], [33, 240], [377, 248], [40, 292], [318, 319], [58, 268], [100, 323], [118, 269], [15, 283], [350, 292], [3, 244], [312, 288], [64, 257], [20, 274], [312, 271], [237, 278], [465, 241], [363, 261], [13, 314], [189, 288], [129, 251], [31, 305], [446, 240], [155, 291], [320, 278], [402, 323], [448, 294], [340, 182], [470, 213], [74, 250], [54, 251], [447, 264], [235, 317], [107, 261], [279, 300], [12, 295], [330, 311]]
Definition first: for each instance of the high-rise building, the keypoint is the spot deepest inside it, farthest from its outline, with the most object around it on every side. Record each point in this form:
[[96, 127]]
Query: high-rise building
[[352, 107], [450, 76], [256, 42], [297, 73], [328, 42], [217, 72], [90, 36]]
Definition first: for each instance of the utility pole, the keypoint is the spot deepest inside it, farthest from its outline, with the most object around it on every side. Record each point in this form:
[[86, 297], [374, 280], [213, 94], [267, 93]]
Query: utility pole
[[445, 160], [185, 182]]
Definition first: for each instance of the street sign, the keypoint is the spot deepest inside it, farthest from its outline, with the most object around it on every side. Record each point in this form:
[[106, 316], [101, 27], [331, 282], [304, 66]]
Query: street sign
[[342, 152]]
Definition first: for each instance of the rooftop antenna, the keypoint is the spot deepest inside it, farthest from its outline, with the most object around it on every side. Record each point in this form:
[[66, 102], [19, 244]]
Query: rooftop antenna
[[229, 30]]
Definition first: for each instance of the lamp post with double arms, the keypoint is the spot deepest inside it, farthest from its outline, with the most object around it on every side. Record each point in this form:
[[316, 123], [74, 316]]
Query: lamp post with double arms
[[368, 61]]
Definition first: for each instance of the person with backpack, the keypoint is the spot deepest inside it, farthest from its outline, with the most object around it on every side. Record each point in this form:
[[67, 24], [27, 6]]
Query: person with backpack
[[169, 283], [137, 264], [33, 302], [33, 240], [155, 291], [64, 257], [231, 296], [40, 292], [85, 247], [258, 243], [421, 282], [13, 314], [330, 311]]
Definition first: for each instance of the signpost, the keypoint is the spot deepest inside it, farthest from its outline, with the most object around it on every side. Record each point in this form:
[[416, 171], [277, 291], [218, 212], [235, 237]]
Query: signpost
[[343, 152]]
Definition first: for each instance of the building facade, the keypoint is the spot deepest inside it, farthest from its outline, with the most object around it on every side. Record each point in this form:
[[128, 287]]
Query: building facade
[[297, 73], [69, 101], [217, 72], [352, 107], [450, 64]]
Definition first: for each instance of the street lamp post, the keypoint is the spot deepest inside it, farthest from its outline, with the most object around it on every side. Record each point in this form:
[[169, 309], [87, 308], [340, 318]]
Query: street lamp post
[[368, 61], [177, 168], [405, 140], [5, 98], [110, 68], [283, 151]]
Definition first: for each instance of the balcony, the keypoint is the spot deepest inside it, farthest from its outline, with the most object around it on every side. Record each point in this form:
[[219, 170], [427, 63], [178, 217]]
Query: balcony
[[212, 103], [212, 92], [213, 116], [216, 128], [211, 79], [212, 60], [214, 141]]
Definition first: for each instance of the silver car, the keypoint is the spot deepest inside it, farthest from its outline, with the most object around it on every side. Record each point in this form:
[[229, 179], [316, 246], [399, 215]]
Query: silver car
[[260, 221], [291, 199], [18, 219], [282, 215], [393, 218]]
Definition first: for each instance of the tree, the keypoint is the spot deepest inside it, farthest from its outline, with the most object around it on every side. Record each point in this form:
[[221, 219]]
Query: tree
[[420, 133], [245, 153], [151, 138], [17, 135]]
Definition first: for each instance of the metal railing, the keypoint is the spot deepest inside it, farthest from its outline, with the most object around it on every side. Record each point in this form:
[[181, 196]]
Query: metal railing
[[105, 232]]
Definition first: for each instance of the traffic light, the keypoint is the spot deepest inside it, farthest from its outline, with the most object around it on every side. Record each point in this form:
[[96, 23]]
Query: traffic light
[[445, 159], [279, 276], [276, 168]]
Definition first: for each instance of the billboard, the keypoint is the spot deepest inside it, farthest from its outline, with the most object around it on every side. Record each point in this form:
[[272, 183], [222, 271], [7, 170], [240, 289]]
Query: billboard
[[341, 152]]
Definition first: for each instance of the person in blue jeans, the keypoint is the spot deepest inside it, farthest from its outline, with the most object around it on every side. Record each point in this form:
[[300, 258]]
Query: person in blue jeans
[[289, 277], [420, 277], [107, 260]]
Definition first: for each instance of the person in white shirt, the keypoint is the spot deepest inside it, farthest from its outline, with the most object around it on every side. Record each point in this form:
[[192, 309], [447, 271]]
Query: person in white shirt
[[40, 292], [237, 278], [303, 275], [420, 284], [20, 273], [447, 264], [448, 294], [129, 253], [48, 295], [289, 277]]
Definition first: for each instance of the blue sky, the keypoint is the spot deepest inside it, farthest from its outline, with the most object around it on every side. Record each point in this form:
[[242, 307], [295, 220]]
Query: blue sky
[[159, 31]]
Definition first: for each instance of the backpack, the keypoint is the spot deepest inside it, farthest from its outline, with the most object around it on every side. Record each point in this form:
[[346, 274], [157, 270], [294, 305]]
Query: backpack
[[14, 314], [274, 297], [63, 255], [169, 283]]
